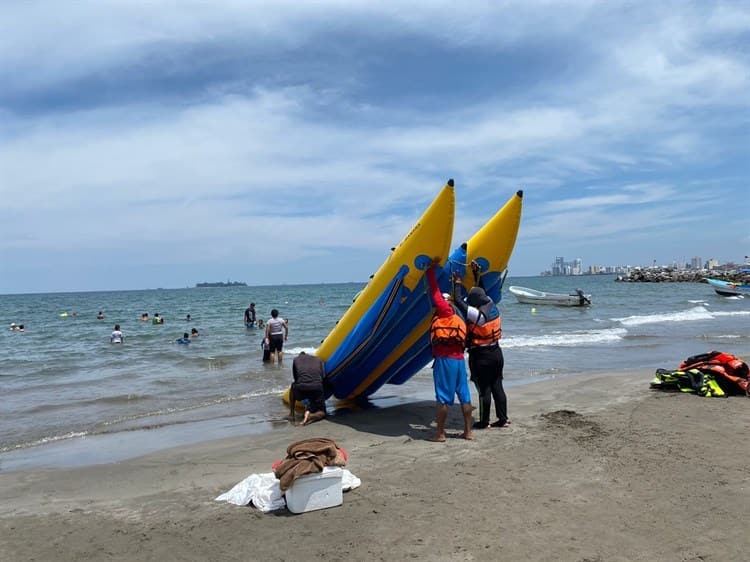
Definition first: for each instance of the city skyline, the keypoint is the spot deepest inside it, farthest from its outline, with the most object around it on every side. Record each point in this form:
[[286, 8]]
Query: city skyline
[[560, 267]]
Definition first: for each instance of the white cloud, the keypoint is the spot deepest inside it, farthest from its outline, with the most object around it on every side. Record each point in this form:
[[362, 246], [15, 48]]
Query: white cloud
[[647, 91]]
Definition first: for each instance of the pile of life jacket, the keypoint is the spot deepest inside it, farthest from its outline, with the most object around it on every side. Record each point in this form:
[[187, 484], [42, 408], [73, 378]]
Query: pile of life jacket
[[708, 374]]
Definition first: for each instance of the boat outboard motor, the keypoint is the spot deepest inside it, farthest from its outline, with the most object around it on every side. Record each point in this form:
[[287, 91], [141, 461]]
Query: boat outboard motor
[[583, 300]]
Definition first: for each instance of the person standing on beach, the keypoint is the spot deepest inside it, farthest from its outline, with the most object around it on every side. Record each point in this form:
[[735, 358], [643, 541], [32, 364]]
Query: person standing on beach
[[448, 337], [116, 336], [277, 332], [308, 372], [250, 316], [486, 362]]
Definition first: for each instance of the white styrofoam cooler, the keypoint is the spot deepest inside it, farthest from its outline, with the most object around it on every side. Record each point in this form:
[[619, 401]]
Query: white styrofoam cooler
[[316, 491]]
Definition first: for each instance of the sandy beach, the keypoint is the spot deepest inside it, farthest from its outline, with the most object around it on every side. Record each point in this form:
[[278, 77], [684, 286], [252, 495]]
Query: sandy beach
[[593, 468]]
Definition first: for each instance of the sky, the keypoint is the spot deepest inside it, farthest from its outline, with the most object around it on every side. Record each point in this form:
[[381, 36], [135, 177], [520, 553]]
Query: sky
[[162, 144]]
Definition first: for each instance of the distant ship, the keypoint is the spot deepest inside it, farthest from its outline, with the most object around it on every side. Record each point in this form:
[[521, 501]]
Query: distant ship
[[222, 284]]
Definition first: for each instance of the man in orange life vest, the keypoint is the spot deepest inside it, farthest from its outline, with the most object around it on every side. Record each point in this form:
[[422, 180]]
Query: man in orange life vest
[[448, 337], [485, 356]]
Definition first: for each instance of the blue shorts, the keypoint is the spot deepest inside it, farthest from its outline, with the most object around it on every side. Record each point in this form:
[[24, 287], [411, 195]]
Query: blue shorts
[[450, 380]]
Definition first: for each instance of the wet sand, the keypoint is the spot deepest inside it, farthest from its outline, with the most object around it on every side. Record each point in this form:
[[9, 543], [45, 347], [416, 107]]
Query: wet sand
[[592, 468]]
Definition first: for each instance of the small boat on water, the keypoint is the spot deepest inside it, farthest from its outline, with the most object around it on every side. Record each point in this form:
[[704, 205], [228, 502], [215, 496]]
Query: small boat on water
[[729, 289], [532, 296]]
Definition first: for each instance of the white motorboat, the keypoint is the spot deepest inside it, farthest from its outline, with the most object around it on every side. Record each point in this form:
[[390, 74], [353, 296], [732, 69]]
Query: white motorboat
[[532, 296]]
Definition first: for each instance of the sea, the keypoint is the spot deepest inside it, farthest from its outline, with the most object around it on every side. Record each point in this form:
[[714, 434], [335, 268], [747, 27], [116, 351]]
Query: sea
[[70, 398]]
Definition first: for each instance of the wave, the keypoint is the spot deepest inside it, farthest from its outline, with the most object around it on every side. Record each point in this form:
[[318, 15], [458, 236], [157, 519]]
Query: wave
[[105, 428], [44, 441], [732, 313], [722, 337], [120, 399], [567, 339], [298, 350], [276, 391], [695, 313]]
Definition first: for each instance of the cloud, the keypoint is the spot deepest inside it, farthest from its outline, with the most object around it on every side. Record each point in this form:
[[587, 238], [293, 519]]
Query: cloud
[[179, 132]]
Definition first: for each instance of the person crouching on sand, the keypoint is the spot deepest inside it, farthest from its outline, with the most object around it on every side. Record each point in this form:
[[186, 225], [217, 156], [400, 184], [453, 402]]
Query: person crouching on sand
[[448, 337], [308, 372]]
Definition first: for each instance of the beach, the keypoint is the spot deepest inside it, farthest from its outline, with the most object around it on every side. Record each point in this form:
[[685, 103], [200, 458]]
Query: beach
[[593, 467]]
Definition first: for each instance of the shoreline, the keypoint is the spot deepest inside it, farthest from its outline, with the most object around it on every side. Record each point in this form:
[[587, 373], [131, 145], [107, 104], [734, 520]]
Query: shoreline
[[593, 467], [78, 450]]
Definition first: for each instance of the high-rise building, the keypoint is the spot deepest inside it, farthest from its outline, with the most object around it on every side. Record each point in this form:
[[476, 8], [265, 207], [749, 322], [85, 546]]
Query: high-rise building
[[696, 263]]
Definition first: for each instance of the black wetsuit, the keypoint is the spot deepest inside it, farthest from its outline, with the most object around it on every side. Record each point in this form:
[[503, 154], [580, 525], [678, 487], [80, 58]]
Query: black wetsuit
[[486, 366]]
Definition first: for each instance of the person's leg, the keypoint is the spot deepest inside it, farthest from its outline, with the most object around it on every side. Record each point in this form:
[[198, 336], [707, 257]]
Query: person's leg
[[462, 391], [501, 402], [467, 421], [292, 403], [484, 392], [443, 395], [441, 416], [311, 417], [477, 367], [498, 392]]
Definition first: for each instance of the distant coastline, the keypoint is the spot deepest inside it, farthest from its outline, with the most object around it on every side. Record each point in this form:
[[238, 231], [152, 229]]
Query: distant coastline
[[222, 284]]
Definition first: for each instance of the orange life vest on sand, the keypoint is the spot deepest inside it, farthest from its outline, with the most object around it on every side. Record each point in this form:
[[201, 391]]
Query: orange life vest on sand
[[486, 334], [725, 366], [450, 331]]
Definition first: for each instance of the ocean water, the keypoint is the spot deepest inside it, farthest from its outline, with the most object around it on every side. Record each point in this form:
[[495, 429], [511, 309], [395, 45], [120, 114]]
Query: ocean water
[[67, 392]]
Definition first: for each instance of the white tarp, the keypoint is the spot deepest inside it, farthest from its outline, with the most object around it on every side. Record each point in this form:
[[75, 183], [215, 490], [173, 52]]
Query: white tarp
[[263, 491]]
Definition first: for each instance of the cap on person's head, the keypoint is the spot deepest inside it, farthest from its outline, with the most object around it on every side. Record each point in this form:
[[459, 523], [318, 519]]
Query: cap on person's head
[[12, 324], [477, 297], [447, 296]]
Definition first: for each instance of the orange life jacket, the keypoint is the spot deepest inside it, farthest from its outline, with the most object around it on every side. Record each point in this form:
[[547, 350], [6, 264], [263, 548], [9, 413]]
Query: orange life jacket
[[451, 330], [486, 334], [725, 366]]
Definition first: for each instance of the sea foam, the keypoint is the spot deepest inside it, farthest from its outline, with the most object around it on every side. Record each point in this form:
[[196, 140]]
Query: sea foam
[[568, 339], [695, 313]]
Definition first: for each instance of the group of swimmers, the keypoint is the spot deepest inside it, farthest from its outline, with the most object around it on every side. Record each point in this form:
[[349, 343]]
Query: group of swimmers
[[17, 327], [155, 320], [185, 339], [117, 336]]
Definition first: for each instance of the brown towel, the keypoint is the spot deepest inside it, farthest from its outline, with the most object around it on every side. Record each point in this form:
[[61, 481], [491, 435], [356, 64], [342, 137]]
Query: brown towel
[[307, 457]]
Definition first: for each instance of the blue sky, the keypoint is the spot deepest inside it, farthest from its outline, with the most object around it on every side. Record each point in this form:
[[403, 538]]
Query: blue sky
[[160, 144]]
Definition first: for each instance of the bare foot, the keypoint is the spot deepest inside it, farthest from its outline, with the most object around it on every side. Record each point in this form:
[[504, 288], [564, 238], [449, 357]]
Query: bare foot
[[467, 436], [439, 438]]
